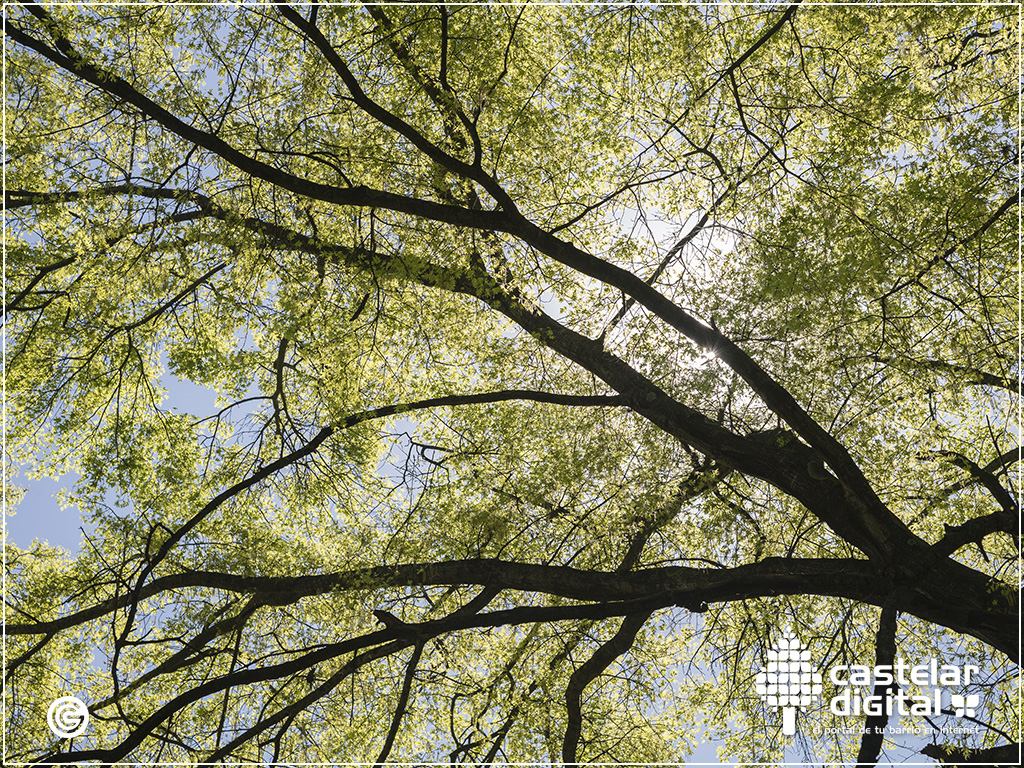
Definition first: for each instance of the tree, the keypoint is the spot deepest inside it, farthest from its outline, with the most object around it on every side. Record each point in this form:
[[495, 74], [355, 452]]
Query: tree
[[557, 351]]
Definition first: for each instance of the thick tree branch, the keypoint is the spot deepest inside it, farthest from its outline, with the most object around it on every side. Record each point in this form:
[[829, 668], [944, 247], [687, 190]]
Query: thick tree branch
[[619, 644], [22, 198], [986, 479], [975, 530], [885, 655], [888, 534], [403, 702], [860, 518], [767, 577], [992, 468], [945, 599]]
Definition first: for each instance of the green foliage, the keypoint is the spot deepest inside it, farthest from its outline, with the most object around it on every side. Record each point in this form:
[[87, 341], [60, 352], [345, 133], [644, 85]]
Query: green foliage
[[671, 296]]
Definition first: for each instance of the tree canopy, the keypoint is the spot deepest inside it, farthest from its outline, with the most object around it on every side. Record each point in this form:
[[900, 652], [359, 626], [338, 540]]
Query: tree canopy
[[564, 357]]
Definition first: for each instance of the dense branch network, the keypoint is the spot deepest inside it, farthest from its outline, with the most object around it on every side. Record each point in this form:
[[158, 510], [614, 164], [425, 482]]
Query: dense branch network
[[884, 563]]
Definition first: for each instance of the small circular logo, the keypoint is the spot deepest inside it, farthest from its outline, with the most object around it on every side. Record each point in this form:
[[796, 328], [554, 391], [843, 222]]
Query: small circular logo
[[67, 717]]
